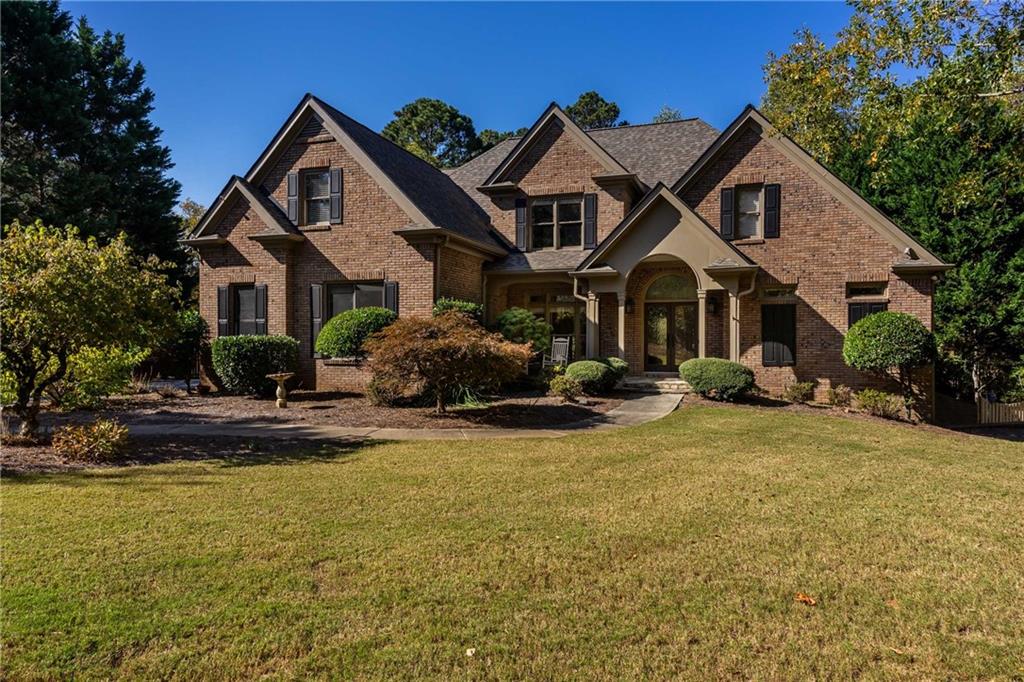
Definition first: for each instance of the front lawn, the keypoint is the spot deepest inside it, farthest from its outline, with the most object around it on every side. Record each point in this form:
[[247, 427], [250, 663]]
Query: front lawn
[[674, 549]]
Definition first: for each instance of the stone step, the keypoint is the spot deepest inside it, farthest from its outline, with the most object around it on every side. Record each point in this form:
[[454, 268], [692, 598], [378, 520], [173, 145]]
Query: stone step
[[652, 383]]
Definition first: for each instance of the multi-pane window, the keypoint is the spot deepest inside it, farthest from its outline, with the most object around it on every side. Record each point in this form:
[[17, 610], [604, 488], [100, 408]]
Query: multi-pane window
[[244, 309], [865, 299], [556, 223], [342, 297], [748, 212], [317, 196]]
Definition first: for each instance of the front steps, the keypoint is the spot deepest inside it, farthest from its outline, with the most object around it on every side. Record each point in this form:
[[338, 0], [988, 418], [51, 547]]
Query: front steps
[[655, 382]]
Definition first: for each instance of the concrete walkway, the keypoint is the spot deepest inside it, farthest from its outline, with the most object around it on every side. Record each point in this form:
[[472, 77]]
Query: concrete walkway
[[632, 411]]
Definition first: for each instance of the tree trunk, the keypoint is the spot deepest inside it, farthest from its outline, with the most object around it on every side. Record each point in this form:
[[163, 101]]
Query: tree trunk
[[29, 420], [440, 409]]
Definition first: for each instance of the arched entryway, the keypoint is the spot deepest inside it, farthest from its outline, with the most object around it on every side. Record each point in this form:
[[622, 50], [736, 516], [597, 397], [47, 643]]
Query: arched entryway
[[670, 320]]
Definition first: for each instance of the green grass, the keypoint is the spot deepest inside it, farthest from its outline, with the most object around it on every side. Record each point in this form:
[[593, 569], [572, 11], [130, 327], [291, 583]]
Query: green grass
[[671, 549]]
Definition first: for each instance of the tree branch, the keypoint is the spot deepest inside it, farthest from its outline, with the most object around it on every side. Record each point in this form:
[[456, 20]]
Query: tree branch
[[1003, 93]]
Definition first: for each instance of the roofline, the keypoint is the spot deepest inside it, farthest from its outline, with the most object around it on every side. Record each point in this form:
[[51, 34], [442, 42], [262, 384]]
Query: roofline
[[240, 185], [659, 190], [644, 125], [871, 214], [414, 231], [524, 143]]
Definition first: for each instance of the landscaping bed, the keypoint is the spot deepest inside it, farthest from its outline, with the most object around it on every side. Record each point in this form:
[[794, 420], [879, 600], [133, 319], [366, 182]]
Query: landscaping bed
[[525, 410]]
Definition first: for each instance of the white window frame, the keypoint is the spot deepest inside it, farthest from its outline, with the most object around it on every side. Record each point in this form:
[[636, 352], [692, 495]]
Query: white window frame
[[306, 199], [556, 238], [759, 234]]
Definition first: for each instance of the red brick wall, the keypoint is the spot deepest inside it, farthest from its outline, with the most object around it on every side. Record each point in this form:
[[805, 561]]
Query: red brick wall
[[822, 245], [363, 248], [460, 275], [557, 164]]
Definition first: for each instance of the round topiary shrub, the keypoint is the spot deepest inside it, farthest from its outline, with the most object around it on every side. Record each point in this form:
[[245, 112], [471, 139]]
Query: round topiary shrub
[[890, 344], [716, 378], [444, 305], [594, 377], [242, 363], [344, 334], [519, 325]]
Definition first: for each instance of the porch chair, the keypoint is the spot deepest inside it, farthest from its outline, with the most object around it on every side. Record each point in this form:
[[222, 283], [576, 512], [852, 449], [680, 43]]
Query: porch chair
[[559, 352]]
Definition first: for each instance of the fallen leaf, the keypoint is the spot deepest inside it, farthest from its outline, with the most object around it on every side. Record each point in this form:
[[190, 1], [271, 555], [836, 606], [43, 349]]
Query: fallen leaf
[[470, 653], [805, 599], [892, 603]]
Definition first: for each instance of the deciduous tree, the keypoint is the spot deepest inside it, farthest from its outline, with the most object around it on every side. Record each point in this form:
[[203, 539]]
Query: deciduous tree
[[62, 294]]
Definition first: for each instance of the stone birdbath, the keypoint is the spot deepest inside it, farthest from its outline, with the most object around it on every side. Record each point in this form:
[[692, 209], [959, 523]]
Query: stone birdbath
[[282, 392]]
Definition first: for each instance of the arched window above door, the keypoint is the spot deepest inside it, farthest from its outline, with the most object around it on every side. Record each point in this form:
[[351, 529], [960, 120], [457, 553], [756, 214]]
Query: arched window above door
[[672, 288]]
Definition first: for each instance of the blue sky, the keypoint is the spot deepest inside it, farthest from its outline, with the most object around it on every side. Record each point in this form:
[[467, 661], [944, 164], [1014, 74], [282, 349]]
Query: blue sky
[[227, 74]]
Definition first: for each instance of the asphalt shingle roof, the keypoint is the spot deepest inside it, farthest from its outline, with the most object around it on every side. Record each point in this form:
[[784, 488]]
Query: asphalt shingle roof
[[440, 199]]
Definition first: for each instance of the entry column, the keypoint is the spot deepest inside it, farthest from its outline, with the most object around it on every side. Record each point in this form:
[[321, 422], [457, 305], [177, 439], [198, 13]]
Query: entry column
[[702, 295], [593, 325], [621, 295]]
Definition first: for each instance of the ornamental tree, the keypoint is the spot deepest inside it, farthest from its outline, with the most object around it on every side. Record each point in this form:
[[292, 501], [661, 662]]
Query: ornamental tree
[[62, 294], [439, 355], [892, 345]]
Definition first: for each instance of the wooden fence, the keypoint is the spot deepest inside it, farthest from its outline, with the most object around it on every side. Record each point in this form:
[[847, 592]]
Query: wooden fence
[[1000, 413]]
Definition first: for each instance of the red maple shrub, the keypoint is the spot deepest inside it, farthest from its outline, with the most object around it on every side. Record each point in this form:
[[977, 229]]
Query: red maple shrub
[[438, 356]]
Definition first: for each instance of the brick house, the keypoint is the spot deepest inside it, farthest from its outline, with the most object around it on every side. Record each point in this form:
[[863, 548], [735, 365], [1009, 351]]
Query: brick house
[[656, 243]]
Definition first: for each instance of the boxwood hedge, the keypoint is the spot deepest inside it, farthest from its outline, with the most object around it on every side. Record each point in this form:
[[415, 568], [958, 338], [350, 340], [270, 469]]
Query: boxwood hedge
[[716, 378], [344, 334], [242, 363]]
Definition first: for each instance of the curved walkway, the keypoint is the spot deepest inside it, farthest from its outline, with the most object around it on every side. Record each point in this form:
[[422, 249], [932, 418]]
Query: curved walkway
[[632, 411]]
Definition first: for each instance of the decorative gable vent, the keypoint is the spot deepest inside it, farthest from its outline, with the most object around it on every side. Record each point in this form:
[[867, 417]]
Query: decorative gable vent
[[314, 126]]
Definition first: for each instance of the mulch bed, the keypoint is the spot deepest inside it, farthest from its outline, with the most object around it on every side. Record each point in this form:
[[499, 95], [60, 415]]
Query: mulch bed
[[528, 410]]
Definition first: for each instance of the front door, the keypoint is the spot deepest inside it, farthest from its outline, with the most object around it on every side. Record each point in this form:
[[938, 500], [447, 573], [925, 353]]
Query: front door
[[670, 335]]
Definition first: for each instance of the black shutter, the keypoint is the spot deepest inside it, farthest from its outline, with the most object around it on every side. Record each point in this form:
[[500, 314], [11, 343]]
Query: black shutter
[[728, 213], [316, 314], [336, 196], [223, 314], [787, 335], [293, 197], [261, 309], [589, 221], [521, 224], [772, 210], [778, 334], [391, 296]]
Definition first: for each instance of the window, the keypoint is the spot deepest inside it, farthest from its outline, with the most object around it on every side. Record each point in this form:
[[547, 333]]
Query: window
[[556, 223], [244, 308], [316, 186], [342, 297], [672, 288], [863, 299], [748, 212], [778, 334]]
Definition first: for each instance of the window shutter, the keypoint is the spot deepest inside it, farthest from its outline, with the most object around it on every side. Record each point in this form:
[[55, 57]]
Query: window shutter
[[728, 213], [521, 224], [223, 315], [336, 196], [391, 296], [589, 221], [316, 314], [769, 346], [787, 334], [772, 206], [293, 197], [261, 309]]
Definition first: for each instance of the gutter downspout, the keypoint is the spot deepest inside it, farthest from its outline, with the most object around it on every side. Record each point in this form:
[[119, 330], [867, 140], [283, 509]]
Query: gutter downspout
[[734, 317]]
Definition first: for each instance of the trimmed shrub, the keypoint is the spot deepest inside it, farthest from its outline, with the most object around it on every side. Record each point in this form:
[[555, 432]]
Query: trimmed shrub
[[439, 357], [519, 325], [103, 440], [619, 366], [799, 392], [716, 378], [444, 305], [594, 377], [243, 362], [880, 403], [840, 396], [567, 388], [344, 334], [890, 344], [94, 374]]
